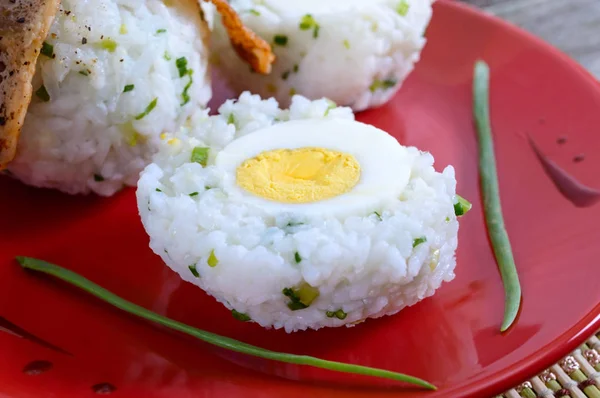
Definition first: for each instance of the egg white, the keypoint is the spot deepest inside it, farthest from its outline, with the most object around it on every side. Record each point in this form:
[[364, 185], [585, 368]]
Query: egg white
[[385, 165]]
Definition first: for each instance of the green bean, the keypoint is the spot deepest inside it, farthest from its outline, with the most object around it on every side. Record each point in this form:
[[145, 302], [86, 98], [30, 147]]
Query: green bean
[[210, 338], [491, 197]]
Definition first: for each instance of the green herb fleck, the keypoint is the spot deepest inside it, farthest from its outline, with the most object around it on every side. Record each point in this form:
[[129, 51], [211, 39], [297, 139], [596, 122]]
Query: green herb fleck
[[339, 314], [181, 64], [184, 94], [418, 241], [462, 206], [166, 56], [98, 178], [447, 219], [194, 194], [307, 22], [296, 67], [200, 155], [128, 88], [285, 75], [159, 31], [47, 50], [231, 119], [280, 40], [109, 44], [240, 316], [292, 92], [297, 257], [84, 72], [194, 271], [211, 338], [212, 259], [254, 12], [347, 44], [158, 190], [402, 7], [148, 109], [378, 215], [382, 85], [42, 94], [300, 297], [123, 29], [332, 105], [316, 31]]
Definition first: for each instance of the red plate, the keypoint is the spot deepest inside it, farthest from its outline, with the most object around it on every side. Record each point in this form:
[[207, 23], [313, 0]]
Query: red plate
[[451, 339]]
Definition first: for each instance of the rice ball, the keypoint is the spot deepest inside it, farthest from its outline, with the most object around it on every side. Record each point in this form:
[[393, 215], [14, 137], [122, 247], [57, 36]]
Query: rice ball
[[354, 52], [299, 218], [111, 78]]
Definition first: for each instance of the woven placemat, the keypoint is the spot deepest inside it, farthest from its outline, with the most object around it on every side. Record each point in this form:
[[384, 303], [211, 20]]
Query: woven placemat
[[575, 376]]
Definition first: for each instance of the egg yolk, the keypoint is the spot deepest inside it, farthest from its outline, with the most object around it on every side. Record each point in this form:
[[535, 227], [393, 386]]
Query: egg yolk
[[301, 175]]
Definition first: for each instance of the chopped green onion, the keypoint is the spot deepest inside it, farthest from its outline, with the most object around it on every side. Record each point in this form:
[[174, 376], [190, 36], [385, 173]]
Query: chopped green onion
[[123, 29], [194, 271], [158, 190], [316, 31], [128, 88], [109, 44], [340, 314], [378, 215], [490, 193], [462, 206], [42, 94], [300, 297], [159, 31], [280, 40], [211, 338], [84, 72], [403, 7], [148, 109], [285, 75], [418, 241], [212, 259], [166, 56], [231, 119], [181, 64], [297, 257], [292, 92], [296, 67], [193, 194], [240, 316], [307, 22], [47, 50], [98, 178], [382, 85], [332, 105], [347, 44], [184, 94], [254, 12], [200, 155]]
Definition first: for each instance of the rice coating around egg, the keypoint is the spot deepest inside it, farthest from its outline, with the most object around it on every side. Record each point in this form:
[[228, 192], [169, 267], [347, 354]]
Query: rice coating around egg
[[286, 269]]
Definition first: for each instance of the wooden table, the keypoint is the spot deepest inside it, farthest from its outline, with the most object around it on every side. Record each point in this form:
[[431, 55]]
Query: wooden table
[[573, 26]]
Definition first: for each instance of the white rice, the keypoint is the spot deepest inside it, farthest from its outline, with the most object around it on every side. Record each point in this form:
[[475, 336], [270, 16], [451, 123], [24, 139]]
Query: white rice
[[86, 137], [363, 265], [358, 56]]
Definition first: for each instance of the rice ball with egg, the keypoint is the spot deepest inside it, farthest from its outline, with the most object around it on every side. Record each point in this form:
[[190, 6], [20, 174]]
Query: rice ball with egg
[[299, 218], [111, 77], [354, 52]]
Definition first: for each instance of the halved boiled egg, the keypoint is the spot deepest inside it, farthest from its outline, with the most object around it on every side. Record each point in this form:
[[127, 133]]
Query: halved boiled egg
[[315, 167]]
